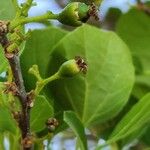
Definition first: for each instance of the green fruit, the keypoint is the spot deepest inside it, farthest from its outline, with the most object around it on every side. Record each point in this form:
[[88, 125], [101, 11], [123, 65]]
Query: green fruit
[[69, 69], [72, 67], [74, 14]]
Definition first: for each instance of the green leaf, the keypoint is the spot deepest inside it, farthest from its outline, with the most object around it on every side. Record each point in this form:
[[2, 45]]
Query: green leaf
[[104, 90], [7, 123], [146, 136], [75, 124], [111, 18], [136, 33], [6, 10], [3, 97], [2, 147], [41, 111], [3, 62], [37, 50], [135, 120], [140, 90], [14, 140]]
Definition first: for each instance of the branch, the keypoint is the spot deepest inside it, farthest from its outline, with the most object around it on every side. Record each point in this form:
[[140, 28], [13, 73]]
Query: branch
[[68, 69], [44, 17], [26, 6], [14, 62], [41, 83], [16, 6]]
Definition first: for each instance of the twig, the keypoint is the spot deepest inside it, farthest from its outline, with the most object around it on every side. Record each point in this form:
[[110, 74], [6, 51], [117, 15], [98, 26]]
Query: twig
[[41, 83], [48, 15], [14, 62], [26, 6], [16, 6]]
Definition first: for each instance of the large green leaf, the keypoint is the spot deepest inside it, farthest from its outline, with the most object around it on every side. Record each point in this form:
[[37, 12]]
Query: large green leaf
[[7, 123], [75, 124], [134, 29], [41, 111], [3, 62], [135, 120], [37, 50], [136, 33], [146, 136], [104, 90], [6, 10], [111, 18]]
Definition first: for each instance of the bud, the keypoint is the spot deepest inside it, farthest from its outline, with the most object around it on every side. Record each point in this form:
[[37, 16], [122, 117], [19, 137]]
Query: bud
[[74, 14], [3, 27], [72, 67], [11, 87], [17, 116], [12, 48], [30, 99], [27, 142], [51, 124]]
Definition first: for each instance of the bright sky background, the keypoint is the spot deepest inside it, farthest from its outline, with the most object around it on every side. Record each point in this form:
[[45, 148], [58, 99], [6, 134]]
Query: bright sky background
[[45, 5]]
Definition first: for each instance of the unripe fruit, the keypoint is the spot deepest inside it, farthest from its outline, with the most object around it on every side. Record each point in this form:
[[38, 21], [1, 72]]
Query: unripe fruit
[[72, 67], [69, 69], [74, 14]]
